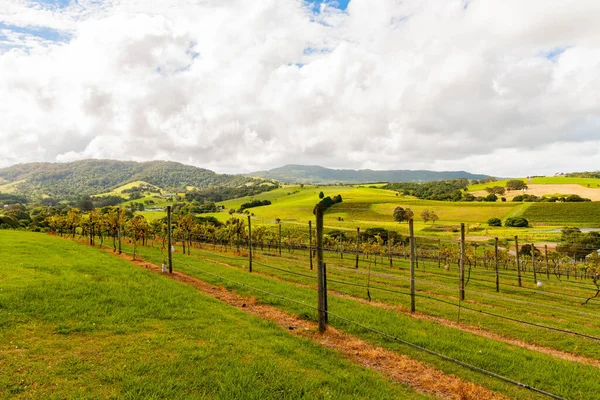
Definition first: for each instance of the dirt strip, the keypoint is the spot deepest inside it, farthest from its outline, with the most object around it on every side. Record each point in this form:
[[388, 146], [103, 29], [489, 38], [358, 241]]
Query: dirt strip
[[442, 321], [418, 376]]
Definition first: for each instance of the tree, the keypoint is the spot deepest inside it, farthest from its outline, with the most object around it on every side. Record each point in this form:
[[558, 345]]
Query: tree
[[515, 184], [321, 195], [401, 214], [429, 215], [490, 197], [496, 190]]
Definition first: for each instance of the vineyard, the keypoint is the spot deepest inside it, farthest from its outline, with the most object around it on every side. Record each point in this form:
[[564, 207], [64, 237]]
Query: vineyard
[[564, 213], [539, 325]]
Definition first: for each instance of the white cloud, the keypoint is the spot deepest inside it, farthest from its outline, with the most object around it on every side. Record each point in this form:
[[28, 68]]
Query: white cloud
[[500, 86]]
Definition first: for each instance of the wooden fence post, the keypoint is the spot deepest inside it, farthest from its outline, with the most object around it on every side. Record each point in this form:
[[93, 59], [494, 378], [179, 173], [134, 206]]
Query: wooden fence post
[[249, 244], [119, 228], [411, 232], [279, 245], [517, 259], [310, 243], [357, 245], [533, 263], [169, 242], [462, 262], [389, 240], [322, 294], [496, 264]]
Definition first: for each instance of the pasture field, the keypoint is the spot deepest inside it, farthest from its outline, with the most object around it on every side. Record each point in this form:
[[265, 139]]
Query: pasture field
[[529, 334], [77, 322], [365, 207], [581, 214], [119, 190], [546, 180], [11, 187], [362, 207]]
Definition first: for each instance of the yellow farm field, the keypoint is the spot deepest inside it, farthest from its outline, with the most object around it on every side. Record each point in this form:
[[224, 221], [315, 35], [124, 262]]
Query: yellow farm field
[[552, 189]]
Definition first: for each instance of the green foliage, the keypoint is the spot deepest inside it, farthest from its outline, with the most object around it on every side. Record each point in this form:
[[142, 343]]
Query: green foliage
[[105, 201], [328, 201], [594, 174], [515, 184], [437, 190], [527, 198], [495, 190], [222, 193], [575, 243], [494, 222], [516, 222], [490, 197], [402, 214], [254, 203], [321, 195], [6, 198]]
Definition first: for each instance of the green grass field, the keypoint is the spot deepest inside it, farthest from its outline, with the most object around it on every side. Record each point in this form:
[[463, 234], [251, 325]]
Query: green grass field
[[76, 322]]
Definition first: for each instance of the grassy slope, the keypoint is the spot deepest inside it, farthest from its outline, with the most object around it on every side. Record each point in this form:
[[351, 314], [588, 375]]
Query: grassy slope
[[119, 190], [362, 206], [79, 323]]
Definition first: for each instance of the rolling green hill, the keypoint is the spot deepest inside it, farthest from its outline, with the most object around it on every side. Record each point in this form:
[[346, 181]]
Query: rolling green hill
[[87, 177], [321, 175]]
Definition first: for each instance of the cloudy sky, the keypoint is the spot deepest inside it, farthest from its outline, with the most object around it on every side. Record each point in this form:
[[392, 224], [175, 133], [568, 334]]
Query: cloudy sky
[[504, 87]]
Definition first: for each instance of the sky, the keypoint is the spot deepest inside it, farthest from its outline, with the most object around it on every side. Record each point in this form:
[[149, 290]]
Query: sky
[[500, 87]]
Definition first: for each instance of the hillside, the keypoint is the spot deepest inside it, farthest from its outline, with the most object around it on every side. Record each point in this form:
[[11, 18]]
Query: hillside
[[321, 175], [86, 177]]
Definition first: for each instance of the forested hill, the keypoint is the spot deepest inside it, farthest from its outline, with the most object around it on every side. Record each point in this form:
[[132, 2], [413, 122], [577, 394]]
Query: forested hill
[[317, 174], [86, 177]]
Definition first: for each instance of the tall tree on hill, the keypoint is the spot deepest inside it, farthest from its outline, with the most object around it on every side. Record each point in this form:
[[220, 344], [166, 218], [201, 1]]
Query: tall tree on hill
[[401, 214]]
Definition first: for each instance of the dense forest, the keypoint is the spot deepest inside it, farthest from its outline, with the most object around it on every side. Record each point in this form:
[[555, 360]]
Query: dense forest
[[72, 180], [439, 190]]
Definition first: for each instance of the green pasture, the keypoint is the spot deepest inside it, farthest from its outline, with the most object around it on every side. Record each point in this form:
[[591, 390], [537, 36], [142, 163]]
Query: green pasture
[[77, 322], [10, 187]]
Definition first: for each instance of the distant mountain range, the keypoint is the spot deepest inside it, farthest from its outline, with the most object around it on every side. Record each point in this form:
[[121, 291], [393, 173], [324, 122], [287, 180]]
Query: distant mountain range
[[87, 177], [316, 174]]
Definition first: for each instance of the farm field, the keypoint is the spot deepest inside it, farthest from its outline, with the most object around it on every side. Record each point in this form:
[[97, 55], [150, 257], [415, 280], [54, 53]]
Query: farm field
[[543, 337], [76, 322], [361, 207], [581, 214], [546, 180], [365, 207]]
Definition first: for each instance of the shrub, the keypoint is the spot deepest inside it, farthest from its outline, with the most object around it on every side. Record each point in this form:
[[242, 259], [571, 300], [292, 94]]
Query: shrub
[[516, 222], [494, 222]]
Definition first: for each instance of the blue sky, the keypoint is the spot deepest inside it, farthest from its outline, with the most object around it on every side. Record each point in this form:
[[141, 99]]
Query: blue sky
[[341, 4], [53, 3], [42, 32]]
